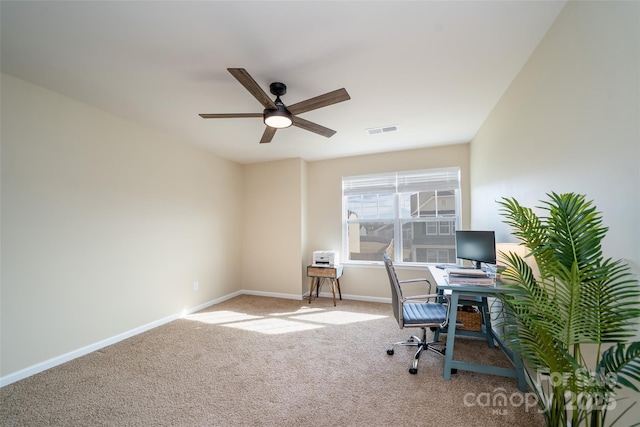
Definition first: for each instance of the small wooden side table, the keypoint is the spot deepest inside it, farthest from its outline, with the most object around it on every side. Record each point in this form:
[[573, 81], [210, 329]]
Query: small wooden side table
[[318, 274]]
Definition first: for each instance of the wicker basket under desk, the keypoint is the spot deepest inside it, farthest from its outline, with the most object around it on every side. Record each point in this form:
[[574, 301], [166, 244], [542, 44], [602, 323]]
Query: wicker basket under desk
[[471, 321]]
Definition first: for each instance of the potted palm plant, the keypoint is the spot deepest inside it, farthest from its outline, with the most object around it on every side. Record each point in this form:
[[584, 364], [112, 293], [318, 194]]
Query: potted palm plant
[[573, 305]]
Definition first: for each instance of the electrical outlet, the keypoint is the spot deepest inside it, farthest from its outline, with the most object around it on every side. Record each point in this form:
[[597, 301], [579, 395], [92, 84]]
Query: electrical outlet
[[196, 286]]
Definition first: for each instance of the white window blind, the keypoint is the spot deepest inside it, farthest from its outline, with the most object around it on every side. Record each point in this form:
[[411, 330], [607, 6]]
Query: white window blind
[[402, 182]]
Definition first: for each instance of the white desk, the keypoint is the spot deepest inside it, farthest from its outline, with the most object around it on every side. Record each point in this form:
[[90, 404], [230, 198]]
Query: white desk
[[475, 291]]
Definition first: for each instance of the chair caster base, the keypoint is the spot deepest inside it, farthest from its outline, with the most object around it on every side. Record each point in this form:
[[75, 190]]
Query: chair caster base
[[413, 371], [390, 352]]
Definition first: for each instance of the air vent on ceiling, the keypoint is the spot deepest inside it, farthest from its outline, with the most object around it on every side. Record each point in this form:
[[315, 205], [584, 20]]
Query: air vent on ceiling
[[383, 129]]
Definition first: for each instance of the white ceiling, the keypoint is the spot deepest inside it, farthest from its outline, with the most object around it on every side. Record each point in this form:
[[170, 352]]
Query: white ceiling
[[434, 68]]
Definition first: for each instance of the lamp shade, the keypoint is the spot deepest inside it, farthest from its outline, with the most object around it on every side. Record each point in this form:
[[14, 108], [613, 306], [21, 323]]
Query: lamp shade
[[506, 248], [278, 118], [520, 250]]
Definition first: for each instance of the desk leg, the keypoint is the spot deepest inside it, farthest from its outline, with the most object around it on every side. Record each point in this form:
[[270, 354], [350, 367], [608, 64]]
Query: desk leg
[[313, 281], [451, 335], [515, 357], [520, 375], [486, 322], [333, 290], [339, 291]]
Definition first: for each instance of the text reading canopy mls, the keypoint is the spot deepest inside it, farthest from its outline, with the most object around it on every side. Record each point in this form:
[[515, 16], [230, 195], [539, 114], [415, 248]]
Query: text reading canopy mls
[[476, 246]]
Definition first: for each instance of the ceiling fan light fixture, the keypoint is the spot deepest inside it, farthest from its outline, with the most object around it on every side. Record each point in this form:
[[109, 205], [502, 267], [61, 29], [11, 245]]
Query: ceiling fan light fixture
[[279, 118]]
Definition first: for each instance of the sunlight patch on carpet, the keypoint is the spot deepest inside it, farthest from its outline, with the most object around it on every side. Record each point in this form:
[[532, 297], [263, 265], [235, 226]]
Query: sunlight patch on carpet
[[301, 310], [302, 319], [338, 317], [273, 326], [217, 317]]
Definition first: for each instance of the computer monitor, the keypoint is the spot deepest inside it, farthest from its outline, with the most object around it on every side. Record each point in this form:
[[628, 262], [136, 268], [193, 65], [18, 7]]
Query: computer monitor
[[476, 246]]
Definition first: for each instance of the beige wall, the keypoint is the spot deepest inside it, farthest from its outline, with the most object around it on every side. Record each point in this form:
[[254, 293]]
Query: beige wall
[[272, 226], [570, 123], [105, 226], [325, 206]]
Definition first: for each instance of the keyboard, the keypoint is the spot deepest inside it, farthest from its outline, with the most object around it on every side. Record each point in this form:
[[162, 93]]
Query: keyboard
[[446, 266]]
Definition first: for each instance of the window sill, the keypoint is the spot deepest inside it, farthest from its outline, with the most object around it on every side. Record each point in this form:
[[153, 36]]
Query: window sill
[[380, 264]]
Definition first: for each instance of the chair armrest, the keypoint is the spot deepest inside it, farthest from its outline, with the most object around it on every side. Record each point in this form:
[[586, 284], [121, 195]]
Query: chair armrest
[[426, 296], [402, 282], [414, 280]]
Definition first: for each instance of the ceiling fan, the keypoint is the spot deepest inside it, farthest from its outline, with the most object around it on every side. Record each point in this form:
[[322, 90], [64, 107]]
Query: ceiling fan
[[276, 115]]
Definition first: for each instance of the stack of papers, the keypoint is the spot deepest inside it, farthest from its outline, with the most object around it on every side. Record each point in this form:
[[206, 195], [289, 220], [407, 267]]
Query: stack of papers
[[465, 276]]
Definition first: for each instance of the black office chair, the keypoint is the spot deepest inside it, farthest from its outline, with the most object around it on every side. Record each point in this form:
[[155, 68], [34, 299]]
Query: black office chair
[[419, 311]]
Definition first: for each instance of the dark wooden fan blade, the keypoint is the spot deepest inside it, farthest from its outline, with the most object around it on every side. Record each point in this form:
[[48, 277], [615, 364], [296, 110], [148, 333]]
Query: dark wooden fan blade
[[268, 134], [313, 127], [247, 81], [229, 115], [319, 101]]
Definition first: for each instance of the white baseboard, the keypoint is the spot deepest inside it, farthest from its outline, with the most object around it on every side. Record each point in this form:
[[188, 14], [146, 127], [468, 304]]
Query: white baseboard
[[48, 364], [352, 297], [59, 360], [322, 295], [271, 294]]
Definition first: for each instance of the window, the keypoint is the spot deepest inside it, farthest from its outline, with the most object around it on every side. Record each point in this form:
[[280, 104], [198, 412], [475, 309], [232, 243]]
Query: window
[[412, 216]]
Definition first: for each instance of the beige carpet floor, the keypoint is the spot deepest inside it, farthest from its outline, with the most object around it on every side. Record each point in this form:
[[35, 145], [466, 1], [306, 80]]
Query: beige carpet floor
[[257, 361]]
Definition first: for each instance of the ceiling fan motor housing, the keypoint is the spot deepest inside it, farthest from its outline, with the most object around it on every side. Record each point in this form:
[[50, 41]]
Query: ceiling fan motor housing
[[277, 88]]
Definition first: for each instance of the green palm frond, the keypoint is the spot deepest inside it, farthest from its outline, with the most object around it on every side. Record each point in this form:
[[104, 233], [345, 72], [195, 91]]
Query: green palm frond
[[589, 299], [623, 363], [611, 302], [575, 297], [534, 311], [527, 227], [574, 230]]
